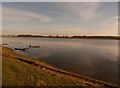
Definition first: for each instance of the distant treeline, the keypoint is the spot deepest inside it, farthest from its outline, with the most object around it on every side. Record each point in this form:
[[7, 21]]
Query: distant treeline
[[73, 37]]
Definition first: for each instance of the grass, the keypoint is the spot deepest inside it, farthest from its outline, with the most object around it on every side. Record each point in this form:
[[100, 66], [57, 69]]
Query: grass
[[20, 73]]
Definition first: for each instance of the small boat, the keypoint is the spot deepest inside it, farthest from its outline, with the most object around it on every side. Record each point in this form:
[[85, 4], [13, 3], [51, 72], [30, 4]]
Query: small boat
[[23, 49], [34, 46], [4, 44]]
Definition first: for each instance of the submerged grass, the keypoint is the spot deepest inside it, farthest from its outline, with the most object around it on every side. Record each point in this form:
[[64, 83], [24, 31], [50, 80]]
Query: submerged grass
[[18, 72]]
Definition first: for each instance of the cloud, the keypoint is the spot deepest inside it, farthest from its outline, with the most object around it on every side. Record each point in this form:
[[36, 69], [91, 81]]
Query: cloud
[[0, 20], [90, 10], [60, 0], [13, 14], [87, 10], [109, 26], [65, 30], [0, 12], [111, 23]]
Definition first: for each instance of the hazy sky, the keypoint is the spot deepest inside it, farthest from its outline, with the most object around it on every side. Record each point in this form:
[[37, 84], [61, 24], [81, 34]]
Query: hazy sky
[[60, 18], [60, 0]]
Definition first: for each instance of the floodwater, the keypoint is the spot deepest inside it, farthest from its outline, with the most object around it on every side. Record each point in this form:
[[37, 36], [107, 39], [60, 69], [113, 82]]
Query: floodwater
[[88, 57]]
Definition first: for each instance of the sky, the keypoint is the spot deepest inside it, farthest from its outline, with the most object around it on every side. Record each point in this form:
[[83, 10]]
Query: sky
[[60, 18], [60, 0]]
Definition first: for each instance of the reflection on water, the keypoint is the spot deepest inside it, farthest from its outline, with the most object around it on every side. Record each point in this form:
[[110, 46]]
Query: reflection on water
[[94, 58]]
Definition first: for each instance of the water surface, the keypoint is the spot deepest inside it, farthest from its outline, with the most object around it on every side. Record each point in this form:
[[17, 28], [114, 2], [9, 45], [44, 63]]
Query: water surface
[[94, 58]]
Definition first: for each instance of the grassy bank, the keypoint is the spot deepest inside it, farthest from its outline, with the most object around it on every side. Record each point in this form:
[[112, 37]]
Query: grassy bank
[[22, 71]]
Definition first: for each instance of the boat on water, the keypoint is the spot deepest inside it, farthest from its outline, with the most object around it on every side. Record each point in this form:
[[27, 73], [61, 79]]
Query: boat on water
[[4, 44], [34, 46], [23, 49]]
